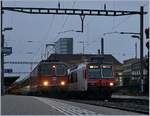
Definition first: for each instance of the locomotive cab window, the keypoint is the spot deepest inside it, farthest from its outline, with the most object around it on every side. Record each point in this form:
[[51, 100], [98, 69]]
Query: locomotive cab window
[[46, 70], [94, 71], [61, 70], [107, 71]]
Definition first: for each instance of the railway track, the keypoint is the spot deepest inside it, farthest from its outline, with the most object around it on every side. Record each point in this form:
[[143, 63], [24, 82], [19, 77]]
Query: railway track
[[134, 105], [128, 104]]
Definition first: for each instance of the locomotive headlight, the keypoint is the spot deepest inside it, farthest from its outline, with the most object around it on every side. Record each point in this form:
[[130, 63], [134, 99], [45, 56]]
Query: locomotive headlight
[[62, 83], [111, 84], [45, 83]]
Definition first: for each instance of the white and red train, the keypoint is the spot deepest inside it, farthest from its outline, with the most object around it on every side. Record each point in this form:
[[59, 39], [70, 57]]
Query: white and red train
[[83, 79], [92, 77]]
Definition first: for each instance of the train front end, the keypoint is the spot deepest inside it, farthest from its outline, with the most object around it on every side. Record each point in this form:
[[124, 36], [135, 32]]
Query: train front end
[[100, 79], [53, 77]]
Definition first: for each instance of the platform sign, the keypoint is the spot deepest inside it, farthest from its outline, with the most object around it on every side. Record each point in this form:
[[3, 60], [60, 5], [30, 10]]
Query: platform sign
[[8, 70], [7, 50]]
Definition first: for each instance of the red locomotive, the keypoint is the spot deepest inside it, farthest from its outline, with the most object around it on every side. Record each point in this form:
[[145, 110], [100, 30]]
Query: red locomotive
[[48, 76]]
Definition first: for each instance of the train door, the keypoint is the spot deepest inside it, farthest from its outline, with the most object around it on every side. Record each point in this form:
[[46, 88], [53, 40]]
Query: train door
[[73, 81], [82, 80]]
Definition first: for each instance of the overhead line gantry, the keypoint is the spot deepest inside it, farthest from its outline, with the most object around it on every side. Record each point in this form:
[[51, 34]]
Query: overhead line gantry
[[62, 11], [20, 62]]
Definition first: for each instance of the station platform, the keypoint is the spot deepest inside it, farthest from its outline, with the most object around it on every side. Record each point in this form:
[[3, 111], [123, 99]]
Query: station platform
[[33, 105]]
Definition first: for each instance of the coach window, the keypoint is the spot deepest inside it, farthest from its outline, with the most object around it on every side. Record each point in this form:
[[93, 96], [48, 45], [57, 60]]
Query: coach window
[[46, 70]]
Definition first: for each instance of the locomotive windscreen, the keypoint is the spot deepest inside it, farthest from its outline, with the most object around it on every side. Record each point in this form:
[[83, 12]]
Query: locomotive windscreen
[[61, 70], [94, 71], [99, 71], [53, 69], [46, 69], [107, 71]]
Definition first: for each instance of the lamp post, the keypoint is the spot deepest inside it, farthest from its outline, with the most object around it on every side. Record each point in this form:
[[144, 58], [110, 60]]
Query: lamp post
[[140, 37], [141, 43]]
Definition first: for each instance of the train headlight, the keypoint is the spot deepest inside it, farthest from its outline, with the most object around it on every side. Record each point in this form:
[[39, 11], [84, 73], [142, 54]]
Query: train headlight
[[111, 84], [45, 83], [62, 83]]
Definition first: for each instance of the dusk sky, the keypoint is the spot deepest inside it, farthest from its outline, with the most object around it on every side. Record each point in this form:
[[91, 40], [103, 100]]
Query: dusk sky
[[44, 29]]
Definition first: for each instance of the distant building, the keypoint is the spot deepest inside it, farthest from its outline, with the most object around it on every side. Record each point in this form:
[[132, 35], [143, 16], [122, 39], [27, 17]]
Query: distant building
[[136, 75], [127, 70], [132, 76], [119, 75], [64, 46]]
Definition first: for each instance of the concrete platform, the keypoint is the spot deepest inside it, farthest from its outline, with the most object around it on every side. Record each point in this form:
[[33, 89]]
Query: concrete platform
[[25, 105], [30, 105]]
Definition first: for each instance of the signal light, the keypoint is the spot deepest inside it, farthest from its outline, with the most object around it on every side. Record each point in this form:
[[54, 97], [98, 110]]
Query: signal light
[[147, 45], [147, 32]]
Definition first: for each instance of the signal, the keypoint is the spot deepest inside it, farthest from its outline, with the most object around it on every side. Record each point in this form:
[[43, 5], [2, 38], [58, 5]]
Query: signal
[[147, 37], [147, 33], [147, 45]]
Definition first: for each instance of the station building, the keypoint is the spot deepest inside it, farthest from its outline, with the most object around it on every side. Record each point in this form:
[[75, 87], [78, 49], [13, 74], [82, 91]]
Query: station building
[[132, 76]]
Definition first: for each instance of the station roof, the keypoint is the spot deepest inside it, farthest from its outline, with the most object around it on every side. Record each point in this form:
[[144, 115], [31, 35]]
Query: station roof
[[72, 59]]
